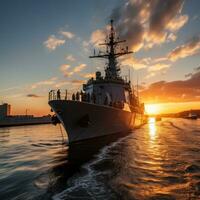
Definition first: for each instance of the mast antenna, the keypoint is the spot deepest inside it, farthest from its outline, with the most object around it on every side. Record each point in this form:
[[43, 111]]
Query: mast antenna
[[111, 54]]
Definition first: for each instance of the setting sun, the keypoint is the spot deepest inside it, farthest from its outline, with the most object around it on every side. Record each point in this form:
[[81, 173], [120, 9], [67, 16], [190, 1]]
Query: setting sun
[[152, 109]]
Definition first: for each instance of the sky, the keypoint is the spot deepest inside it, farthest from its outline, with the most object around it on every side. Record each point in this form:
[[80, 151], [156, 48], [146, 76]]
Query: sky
[[46, 44]]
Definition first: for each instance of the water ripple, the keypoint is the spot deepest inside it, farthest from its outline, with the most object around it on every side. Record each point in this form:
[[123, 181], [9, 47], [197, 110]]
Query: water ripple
[[159, 161]]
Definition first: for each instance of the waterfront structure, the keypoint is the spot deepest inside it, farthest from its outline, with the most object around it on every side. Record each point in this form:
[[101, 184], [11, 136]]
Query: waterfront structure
[[107, 105], [5, 110], [6, 119]]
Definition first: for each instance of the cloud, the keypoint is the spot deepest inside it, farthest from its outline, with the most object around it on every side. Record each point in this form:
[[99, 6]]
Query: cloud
[[52, 42], [163, 14], [148, 23], [50, 81], [197, 68], [64, 67], [174, 91], [85, 44], [190, 48], [150, 75], [177, 23], [61, 83], [70, 58], [98, 36], [188, 75], [145, 23], [158, 67], [130, 61], [171, 37], [66, 72], [88, 75], [153, 66], [77, 82], [79, 68], [33, 95], [67, 34]]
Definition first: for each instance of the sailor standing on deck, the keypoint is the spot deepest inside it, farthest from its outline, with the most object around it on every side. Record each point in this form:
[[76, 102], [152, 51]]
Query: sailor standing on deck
[[65, 94], [77, 96], [58, 94], [73, 97]]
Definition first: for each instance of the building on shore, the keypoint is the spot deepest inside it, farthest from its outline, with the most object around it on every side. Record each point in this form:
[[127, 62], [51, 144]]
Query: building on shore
[[5, 110], [6, 119]]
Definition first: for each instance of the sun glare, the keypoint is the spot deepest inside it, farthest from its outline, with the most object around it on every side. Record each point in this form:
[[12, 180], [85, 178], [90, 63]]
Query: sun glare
[[152, 128], [152, 109]]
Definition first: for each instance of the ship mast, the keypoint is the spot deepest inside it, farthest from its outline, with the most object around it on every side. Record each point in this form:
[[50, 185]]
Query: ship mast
[[112, 69]]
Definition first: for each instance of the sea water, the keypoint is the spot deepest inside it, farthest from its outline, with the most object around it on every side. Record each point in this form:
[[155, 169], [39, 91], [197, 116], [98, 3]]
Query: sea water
[[161, 160]]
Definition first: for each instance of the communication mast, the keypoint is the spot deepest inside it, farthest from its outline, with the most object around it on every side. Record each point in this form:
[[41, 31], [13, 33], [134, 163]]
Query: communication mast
[[112, 69]]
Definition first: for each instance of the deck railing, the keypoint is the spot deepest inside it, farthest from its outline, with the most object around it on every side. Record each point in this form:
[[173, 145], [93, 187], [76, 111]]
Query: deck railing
[[65, 95], [59, 95]]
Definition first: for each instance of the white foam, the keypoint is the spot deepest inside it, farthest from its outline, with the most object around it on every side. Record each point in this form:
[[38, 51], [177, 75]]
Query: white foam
[[88, 181]]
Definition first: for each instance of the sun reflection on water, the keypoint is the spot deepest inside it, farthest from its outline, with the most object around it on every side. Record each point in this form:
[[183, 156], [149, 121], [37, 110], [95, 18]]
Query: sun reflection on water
[[152, 128]]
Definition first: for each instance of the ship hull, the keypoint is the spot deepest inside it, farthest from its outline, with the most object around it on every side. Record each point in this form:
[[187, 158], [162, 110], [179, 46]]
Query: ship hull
[[83, 120]]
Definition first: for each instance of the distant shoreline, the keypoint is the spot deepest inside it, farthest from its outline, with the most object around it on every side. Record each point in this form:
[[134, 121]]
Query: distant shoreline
[[23, 124], [24, 120]]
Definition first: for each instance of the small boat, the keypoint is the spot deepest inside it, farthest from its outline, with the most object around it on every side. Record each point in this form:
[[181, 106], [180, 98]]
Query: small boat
[[191, 116]]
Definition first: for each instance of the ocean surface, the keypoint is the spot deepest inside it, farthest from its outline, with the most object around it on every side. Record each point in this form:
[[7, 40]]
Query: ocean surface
[[161, 160]]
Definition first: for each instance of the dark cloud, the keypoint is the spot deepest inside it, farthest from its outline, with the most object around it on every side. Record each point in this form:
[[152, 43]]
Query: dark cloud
[[161, 14], [197, 69], [128, 24], [33, 95], [175, 91], [188, 75], [145, 22]]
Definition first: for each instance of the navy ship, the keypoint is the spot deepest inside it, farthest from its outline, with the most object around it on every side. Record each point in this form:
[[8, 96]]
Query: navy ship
[[107, 105]]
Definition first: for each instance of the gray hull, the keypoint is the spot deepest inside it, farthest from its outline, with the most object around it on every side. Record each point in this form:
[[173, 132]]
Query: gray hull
[[83, 120]]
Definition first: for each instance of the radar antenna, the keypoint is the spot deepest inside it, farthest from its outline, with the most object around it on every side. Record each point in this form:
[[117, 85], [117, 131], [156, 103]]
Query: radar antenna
[[112, 69]]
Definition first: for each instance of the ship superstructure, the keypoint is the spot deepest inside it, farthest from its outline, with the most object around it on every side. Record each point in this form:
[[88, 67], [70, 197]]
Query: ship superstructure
[[107, 104]]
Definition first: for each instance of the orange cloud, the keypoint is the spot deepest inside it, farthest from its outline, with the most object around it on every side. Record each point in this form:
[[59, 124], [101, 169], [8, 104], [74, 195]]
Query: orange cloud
[[64, 69], [135, 63], [177, 22], [88, 75], [188, 49], [79, 68], [148, 23], [77, 82], [66, 72], [175, 91], [158, 67], [97, 37], [50, 81]]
